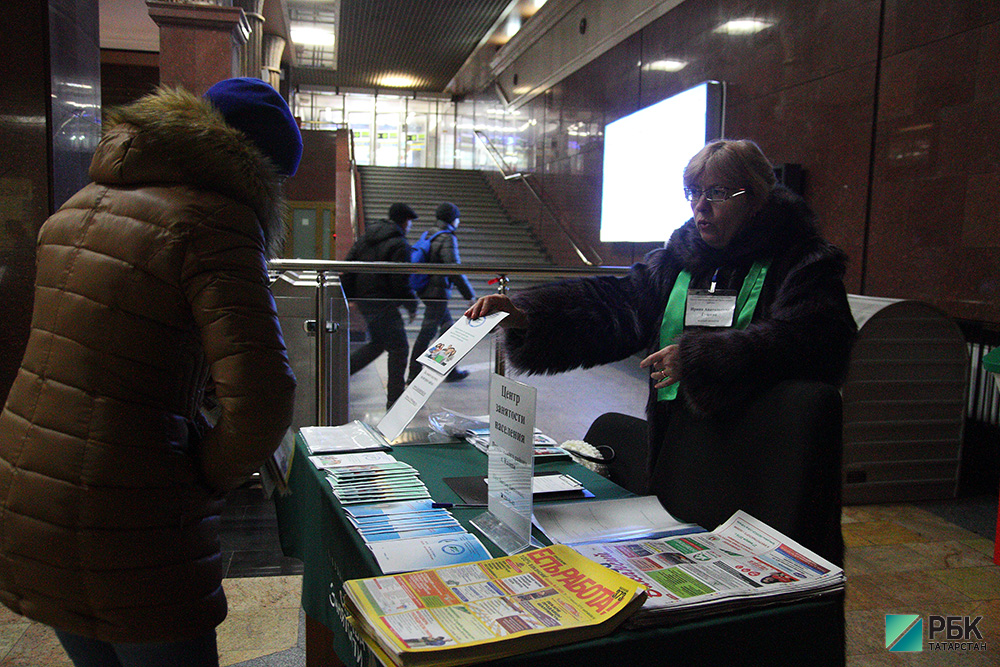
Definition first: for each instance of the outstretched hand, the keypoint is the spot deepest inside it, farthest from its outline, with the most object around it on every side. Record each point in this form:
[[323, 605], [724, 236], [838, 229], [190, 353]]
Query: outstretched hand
[[498, 302], [666, 365]]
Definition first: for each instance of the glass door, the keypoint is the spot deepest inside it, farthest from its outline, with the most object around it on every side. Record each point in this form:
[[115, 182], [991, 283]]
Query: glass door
[[387, 139]]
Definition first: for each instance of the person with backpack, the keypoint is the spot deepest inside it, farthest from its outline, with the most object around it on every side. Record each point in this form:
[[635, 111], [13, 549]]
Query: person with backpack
[[379, 296], [435, 290]]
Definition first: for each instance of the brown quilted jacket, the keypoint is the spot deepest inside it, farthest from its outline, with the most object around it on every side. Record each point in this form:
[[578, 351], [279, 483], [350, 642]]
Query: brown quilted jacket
[[149, 280]]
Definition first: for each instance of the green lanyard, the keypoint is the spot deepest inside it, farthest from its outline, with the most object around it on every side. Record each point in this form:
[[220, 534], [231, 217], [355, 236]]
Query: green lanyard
[[673, 314]]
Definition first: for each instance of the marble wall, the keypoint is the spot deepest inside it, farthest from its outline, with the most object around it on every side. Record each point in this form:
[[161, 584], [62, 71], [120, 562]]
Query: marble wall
[[49, 128], [935, 209], [890, 106]]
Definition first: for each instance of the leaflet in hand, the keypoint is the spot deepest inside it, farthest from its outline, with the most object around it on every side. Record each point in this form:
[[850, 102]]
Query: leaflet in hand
[[443, 355]]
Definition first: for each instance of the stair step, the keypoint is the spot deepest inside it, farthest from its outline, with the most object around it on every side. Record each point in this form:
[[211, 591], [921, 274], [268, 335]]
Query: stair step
[[487, 234]]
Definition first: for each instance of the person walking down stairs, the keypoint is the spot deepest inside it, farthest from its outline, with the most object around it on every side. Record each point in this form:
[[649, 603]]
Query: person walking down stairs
[[379, 296], [437, 317]]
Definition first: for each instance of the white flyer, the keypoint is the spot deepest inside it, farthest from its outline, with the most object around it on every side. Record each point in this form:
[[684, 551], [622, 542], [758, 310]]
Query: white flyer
[[456, 342], [445, 353], [408, 405]]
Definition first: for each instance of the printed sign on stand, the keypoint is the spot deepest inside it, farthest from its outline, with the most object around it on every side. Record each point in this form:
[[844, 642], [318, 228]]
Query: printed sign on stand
[[511, 465]]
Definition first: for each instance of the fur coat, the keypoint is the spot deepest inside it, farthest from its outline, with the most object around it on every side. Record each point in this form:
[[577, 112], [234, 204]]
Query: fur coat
[[802, 327], [150, 280]]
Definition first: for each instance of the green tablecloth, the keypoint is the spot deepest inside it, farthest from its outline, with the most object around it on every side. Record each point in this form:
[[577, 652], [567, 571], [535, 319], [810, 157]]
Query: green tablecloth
[[314, 529]]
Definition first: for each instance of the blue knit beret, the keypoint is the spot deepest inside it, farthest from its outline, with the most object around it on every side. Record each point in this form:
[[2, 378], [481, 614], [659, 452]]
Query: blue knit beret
[[258, 111]]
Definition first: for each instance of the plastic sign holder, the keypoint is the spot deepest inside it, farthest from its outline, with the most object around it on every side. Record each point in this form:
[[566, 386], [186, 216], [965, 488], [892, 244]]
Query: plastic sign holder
[[511, 467]]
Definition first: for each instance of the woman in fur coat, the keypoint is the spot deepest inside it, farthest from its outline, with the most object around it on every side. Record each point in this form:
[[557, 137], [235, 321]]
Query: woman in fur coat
[[150, 280], [746, 294]]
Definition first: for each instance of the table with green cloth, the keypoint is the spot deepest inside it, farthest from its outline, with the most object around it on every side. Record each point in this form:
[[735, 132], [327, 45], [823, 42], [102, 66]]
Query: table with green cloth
[[314, 529]]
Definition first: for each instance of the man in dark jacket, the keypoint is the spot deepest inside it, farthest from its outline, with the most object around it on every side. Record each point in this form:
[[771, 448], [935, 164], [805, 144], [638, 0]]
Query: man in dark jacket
[[380, 295], [437, 318]]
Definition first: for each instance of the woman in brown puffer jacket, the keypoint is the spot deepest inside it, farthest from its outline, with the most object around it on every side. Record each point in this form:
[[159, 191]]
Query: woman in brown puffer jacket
[[149, 281]]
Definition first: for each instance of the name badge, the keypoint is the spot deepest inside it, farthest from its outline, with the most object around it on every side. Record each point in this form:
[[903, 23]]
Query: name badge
[[710, 309]]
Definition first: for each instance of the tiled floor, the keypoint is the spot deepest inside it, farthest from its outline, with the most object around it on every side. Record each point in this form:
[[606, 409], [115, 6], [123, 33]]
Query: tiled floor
[[901, 558]]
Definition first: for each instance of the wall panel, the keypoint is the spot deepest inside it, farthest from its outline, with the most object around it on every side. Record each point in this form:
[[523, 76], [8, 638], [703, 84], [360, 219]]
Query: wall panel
[[891, 107]]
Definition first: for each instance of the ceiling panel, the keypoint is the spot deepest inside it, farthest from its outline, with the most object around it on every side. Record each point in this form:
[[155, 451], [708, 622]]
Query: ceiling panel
[[426, 41], [415, 45]]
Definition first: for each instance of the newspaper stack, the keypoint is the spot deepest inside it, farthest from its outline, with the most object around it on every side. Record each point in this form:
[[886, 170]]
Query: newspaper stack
[[464, 614], [742, 563]]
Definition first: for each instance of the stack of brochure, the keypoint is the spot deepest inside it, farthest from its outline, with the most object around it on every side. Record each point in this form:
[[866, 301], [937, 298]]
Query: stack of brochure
[[609, 521], [544, 445], [414, 535], [464, 614], [476, 431], [388, 481], [355, 436], [391, 509], [743, 563]]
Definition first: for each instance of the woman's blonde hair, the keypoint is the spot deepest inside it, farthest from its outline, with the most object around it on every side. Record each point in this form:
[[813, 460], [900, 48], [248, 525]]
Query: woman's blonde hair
[[739, 161]]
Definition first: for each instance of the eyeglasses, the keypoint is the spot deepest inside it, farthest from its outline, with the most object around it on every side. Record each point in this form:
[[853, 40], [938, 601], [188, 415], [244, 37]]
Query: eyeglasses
[[715, 194]]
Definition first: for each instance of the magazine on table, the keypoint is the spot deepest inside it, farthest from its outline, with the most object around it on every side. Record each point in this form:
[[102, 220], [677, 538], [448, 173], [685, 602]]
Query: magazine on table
[[742, 563], [463, 614]]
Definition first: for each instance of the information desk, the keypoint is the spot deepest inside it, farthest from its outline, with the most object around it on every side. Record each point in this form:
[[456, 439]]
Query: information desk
[[314, 529]]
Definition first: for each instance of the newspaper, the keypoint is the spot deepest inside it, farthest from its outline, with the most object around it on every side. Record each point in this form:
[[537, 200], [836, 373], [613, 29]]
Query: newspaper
[[742, 563], [462, 614]]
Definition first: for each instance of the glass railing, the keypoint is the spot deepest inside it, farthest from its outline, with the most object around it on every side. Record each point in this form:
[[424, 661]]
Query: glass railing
[[324, 333]]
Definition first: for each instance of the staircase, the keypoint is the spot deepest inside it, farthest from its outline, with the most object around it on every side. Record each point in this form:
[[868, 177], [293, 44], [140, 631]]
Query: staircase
[[486, 235]]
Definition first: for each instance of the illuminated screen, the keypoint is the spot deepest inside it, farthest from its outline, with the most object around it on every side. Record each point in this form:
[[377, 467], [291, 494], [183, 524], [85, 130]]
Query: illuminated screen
[[644, 158]]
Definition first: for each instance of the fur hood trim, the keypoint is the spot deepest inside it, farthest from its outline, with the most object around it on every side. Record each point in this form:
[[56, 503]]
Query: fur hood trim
[[174, 136]]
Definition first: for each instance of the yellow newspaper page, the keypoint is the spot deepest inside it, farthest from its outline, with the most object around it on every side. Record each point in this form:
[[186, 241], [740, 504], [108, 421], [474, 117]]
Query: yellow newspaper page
[[504, 606]]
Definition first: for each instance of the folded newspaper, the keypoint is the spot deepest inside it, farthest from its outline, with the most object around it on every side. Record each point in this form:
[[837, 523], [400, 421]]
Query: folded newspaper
[[463, 614], [740, 564]]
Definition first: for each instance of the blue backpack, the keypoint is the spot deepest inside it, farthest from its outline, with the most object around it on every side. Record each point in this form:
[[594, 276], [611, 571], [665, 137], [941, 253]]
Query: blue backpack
[[418, 255]]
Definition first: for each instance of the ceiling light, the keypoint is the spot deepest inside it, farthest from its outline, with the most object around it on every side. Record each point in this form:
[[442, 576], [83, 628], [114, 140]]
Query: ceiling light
[[310, 35], [743, 27], [513, 25], [396, 81], [665, 66]]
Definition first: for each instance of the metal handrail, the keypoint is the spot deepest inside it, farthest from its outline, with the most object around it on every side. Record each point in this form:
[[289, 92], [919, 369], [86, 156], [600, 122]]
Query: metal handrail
[[509, 174], [331, 412], [536, 271]]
